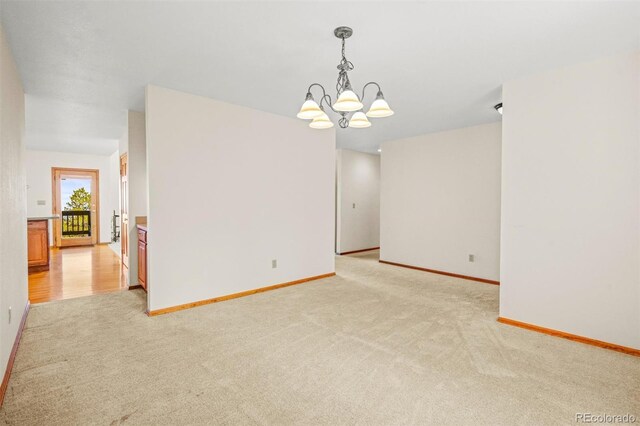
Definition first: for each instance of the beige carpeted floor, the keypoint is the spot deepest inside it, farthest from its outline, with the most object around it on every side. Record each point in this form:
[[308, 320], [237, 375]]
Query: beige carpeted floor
[[375, 345]]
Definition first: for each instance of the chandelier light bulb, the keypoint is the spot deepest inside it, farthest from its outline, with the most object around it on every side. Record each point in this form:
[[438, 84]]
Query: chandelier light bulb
[[321, 122], [309, 110], [359, 121], [347, 101], [379, 108]]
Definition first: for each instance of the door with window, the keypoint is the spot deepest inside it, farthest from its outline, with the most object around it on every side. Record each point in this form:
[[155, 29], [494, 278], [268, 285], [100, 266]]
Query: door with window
[[76, 201]]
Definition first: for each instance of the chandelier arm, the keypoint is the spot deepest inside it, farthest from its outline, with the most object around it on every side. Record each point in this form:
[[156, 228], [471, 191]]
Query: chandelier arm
[[365, 86], [329, 103], [320, 86], [323, 97]]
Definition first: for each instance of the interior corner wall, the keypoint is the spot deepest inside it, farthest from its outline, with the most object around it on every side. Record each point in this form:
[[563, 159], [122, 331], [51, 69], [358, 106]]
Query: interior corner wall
[[13, 206], [39, 164], [135, 145], [230, 190], [123, 143], [440, 201], [358, 201], [571, 200]]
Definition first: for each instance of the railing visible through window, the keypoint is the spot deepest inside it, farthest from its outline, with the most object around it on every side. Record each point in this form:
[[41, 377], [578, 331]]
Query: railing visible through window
[[76, 223]]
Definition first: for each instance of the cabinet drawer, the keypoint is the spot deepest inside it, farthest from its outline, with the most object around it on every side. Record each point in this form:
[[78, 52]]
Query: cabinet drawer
[[142, 236]]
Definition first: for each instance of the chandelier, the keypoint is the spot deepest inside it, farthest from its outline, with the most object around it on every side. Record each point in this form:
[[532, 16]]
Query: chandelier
[[347, 105]]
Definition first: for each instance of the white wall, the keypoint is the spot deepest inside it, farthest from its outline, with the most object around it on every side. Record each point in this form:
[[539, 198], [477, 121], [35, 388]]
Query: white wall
[[570, 200], [134, 144], [123, 142], [13, 214], [358, 182], [39, 164], [440, 201], [230, 189]]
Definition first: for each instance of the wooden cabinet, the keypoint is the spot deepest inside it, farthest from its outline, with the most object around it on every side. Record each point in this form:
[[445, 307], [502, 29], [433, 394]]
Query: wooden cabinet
[[38, 244], [142, 257]]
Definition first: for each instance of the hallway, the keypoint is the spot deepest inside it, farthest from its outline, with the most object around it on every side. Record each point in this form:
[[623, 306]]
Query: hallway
[[76, 272]]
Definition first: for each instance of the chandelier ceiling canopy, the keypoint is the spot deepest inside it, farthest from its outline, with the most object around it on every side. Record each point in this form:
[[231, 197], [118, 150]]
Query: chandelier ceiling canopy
[[348, 105]]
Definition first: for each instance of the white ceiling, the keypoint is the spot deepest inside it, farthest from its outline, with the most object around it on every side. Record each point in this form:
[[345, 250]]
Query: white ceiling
[[55, 125], [440, 64]]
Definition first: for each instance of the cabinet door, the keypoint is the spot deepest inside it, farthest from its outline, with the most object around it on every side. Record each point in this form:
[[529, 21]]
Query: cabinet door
[[38, 245], [142, 264]]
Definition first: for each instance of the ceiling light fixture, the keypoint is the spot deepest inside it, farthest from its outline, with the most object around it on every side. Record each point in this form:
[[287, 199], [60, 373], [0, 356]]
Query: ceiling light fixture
[[498, 107], [348, 105]]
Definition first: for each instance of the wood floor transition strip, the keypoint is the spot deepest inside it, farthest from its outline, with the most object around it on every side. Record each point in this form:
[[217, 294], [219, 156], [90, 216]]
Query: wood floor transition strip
[[449, 274], [359, 251], [12, 356], [235, 295], [569, 336]]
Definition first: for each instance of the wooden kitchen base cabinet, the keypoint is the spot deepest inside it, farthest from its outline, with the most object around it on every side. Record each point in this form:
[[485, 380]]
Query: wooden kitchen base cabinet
[[142, 256], [38, 244]]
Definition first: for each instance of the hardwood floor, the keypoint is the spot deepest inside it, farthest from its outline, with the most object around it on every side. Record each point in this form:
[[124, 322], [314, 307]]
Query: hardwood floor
[[75, 272]]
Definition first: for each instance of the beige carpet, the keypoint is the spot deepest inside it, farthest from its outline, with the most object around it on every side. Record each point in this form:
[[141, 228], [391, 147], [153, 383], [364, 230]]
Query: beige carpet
[[375, 345]]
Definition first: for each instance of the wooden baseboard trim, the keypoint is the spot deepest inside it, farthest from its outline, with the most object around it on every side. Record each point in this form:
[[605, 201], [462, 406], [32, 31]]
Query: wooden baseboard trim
[[12, 356], [569, 336], [358, 251], [135, 287], [235, 295], [449, 274]]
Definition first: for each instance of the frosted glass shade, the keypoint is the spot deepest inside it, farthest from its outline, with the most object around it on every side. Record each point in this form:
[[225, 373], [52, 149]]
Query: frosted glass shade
[[379, 108], [321, 122], [309, 110], [347, 101], [359, 121]]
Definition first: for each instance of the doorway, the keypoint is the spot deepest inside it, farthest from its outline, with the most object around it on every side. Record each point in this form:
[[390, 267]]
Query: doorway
[[76, 201], [124, 214]]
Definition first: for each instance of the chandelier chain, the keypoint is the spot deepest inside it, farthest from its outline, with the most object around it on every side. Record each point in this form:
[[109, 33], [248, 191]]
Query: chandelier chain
[[345, 65]]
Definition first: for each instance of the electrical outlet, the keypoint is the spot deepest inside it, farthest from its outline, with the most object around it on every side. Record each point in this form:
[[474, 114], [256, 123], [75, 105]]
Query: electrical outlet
[[9, 314], [274, 263], [41, 202], [472, 258]]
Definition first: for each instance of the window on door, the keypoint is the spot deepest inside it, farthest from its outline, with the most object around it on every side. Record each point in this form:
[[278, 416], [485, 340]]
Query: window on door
[[75, 194], [76, 199]]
